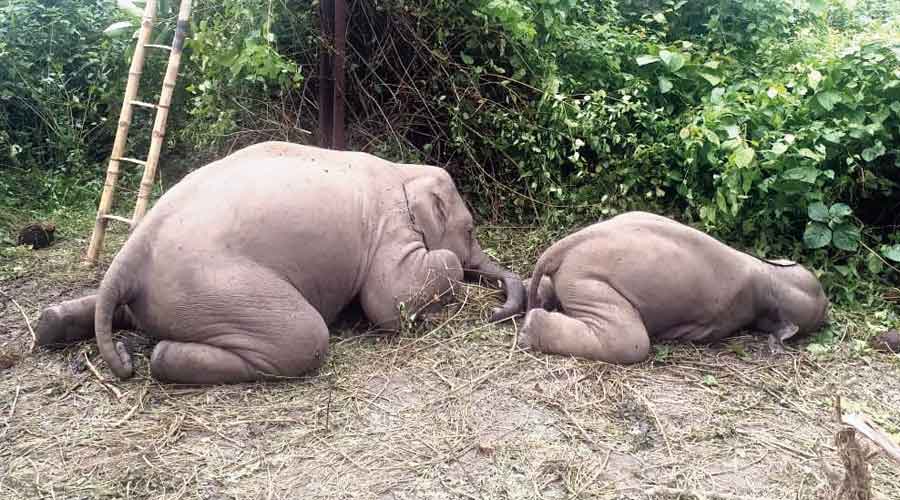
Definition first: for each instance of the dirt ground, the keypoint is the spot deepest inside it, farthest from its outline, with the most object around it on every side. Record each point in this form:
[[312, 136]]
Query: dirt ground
[[447, 410]]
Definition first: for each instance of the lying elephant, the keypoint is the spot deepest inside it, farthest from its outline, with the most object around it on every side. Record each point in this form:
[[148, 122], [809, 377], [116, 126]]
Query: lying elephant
[[638, 276], [241, 266]]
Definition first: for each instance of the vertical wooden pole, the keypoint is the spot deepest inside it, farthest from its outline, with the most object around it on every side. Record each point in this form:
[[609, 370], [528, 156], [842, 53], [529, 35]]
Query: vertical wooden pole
[[340, 44], [326, 73], [162, 113], [125, 115], [333, 15]]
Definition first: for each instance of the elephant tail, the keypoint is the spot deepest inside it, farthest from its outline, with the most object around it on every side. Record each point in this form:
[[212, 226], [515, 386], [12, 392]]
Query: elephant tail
[[116, 288], [548, 263], [552, 258]]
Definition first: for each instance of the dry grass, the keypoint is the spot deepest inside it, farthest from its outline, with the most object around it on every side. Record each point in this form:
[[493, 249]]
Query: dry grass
[[448, 410]]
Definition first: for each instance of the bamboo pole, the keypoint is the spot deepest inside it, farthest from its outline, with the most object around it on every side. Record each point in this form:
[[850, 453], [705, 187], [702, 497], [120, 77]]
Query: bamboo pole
[[112, 171], [162, 114]]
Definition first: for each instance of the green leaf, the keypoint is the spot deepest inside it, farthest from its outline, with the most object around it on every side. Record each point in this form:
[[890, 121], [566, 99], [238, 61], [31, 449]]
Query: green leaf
[[116, 29], [743, 156], [716, 95], [817, 235], [802, 174], [891, 252], [828, 99], [873, 152], [466, 58], [665, 84], [812, 155], [818, 212], [817, 349], [814, 77], [711, 78], [129, 7], [710, 380], [779, 148], [839, 210], [895, 107], [833, 136], [818, 6], [659, 17], [732, 131], [846, 237], [874, 264], [673, 60], [646, 59]]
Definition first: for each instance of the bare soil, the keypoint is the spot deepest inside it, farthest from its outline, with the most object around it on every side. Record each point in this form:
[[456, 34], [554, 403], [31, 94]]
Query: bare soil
[[448, 409]]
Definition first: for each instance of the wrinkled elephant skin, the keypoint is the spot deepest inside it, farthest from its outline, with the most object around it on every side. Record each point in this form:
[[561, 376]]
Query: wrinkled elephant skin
[[240, 267], [619, 283]]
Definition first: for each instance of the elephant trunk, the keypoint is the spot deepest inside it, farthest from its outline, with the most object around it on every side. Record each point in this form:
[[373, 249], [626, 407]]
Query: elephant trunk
[[482, 266]]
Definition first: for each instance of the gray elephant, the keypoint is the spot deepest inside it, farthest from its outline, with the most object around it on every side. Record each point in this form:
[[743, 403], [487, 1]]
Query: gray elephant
[[638, 276], [240, 267]]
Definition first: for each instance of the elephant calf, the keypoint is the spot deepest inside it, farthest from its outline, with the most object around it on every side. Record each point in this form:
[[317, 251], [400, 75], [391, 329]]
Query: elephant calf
[[240, 267], [638, 276]]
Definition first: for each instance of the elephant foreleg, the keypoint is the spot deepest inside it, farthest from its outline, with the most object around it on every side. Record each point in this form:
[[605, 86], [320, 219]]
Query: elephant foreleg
[[73, 320], [415, 285]]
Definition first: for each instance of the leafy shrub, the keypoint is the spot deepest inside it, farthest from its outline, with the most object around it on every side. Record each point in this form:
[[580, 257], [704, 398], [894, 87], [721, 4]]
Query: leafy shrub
[[58, 76], [774, 124]]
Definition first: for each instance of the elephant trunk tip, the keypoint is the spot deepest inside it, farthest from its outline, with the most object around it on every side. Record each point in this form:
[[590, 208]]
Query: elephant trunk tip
[[515, 299]]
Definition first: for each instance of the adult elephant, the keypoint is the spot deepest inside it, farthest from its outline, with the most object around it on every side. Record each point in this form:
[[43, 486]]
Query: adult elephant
[[241, 266]]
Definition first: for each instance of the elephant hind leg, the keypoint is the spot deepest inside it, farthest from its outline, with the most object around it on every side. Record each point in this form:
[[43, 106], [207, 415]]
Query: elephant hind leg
[[267, 331], [547, 298], [73, 320], [599, 324]]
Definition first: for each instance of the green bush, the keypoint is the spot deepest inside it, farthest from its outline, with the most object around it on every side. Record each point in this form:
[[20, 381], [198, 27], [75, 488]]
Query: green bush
[[58, 77], [773, 124]]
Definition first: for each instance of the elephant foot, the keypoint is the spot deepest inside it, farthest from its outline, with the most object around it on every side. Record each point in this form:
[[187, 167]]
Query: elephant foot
[[50, 328], [56, 325]]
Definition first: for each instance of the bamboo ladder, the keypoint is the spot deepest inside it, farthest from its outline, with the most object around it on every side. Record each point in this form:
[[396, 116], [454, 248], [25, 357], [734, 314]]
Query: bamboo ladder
[[159, 125]]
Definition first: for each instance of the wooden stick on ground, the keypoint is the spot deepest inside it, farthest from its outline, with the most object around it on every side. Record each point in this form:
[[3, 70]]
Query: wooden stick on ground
[[111, 388], [697, 494], [25, 316], [869, 429], [12, 411]]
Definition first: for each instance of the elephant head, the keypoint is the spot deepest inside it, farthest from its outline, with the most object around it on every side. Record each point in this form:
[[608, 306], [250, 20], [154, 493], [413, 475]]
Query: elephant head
[[440, 215], [800, 295]]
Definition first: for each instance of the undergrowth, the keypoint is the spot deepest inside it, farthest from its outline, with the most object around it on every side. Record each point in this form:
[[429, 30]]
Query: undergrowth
[[774, 124]]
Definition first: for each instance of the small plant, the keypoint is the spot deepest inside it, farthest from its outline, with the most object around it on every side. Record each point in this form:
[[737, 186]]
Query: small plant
[[662, 353], [830, 226]]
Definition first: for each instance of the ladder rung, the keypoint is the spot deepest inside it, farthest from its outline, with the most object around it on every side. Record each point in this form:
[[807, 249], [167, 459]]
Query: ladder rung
[[131, 160], [155, 46], [116, 217], [143, 104]]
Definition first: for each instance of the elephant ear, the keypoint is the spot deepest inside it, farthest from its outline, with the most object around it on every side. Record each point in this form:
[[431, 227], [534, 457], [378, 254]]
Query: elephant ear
[[427, 201]]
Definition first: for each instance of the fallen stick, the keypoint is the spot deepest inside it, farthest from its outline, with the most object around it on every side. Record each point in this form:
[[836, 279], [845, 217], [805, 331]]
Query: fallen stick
[[869, 429], [12, 411], [699, 495], [111, 388], [25, 316]]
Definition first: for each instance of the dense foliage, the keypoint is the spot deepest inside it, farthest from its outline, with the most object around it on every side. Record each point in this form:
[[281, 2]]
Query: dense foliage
[[774, 124]]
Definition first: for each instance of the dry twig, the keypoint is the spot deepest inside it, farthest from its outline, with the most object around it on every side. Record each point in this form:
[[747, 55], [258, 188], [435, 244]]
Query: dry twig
[[25, 316], [111, 388]]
